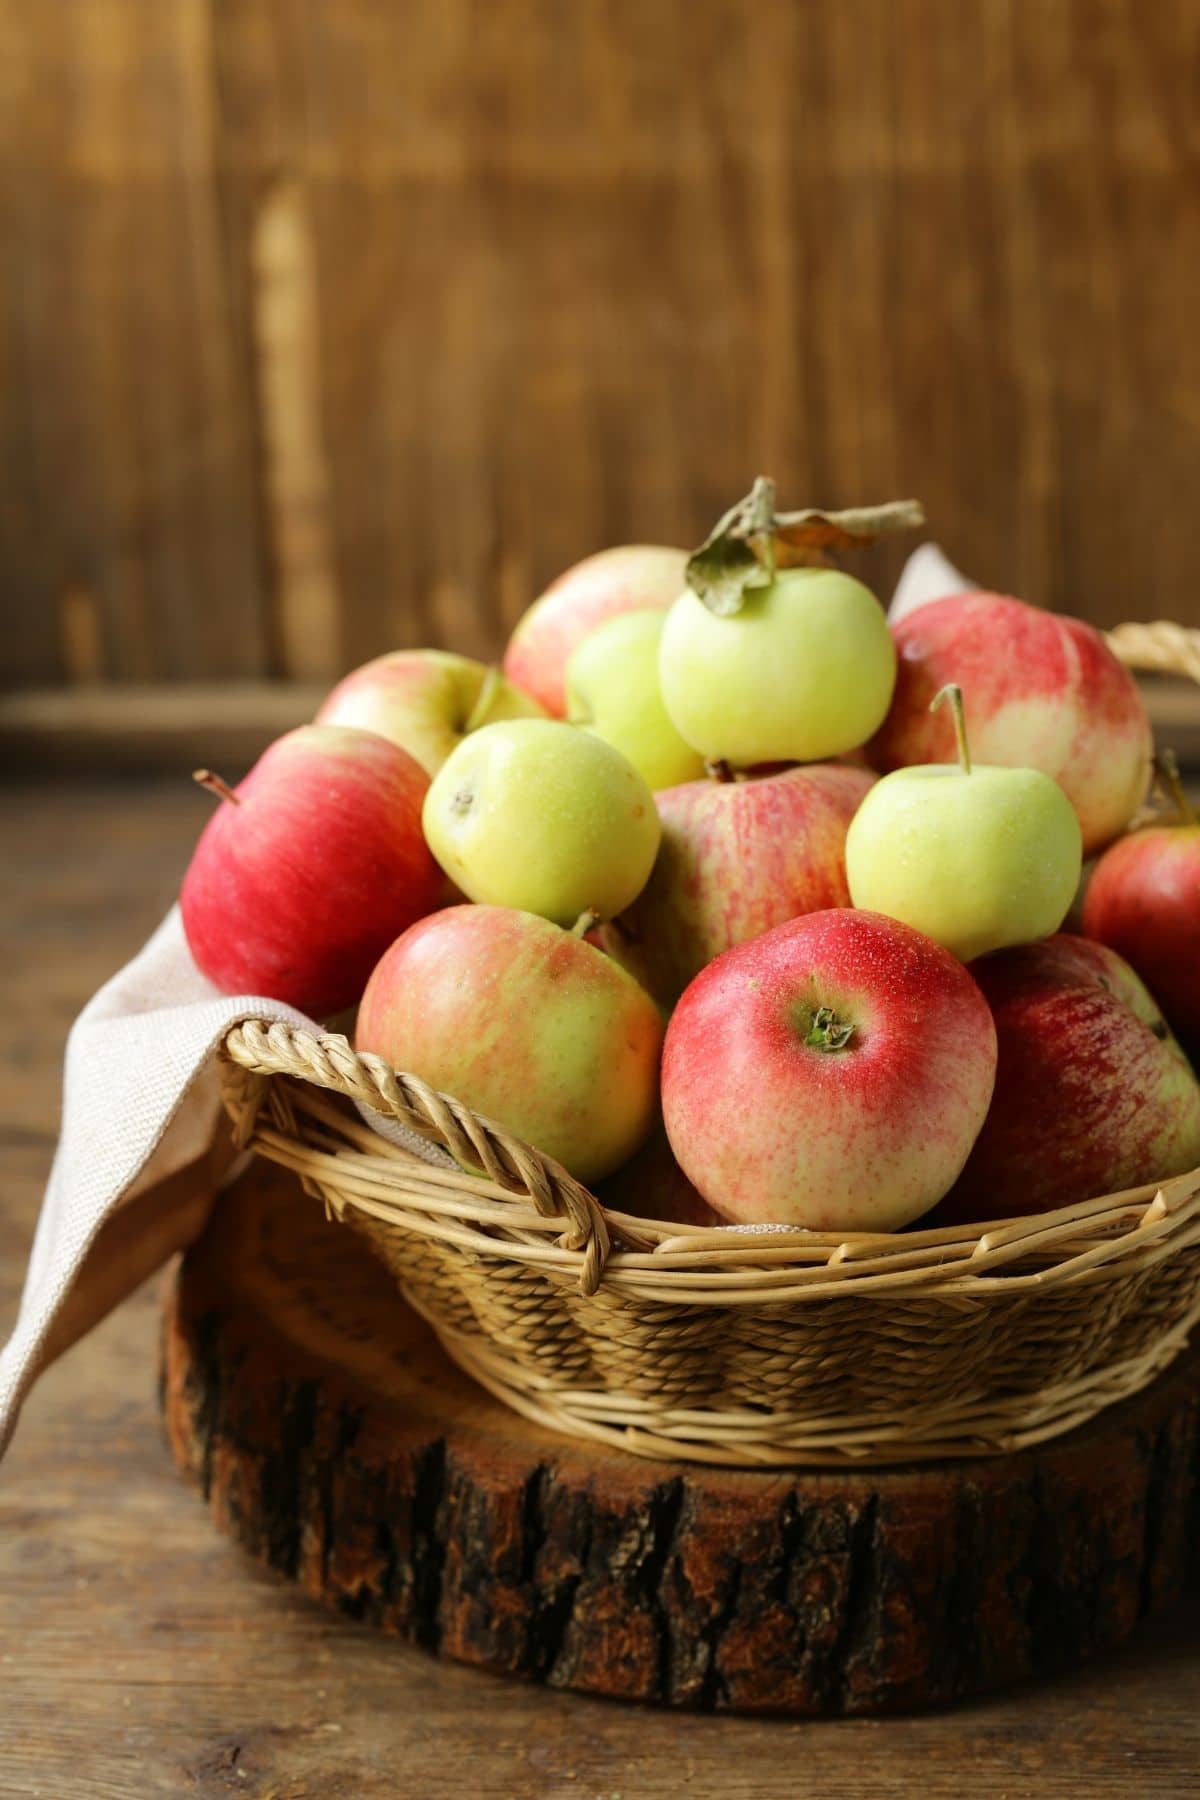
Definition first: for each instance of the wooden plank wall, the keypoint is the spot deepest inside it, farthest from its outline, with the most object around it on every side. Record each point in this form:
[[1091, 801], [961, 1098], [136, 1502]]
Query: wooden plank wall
[[329, 325]]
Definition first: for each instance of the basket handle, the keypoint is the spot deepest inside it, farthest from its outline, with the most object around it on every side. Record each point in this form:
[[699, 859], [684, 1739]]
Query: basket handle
[[260, 1051], [1157, 645]]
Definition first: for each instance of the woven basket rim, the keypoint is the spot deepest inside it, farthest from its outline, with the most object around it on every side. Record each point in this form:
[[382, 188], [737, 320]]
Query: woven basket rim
[[521, 1205]]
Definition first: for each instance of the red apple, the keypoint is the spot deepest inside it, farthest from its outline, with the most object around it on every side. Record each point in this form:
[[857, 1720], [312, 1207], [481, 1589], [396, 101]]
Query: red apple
[[1093, 1094], [527, 1024], [309, 868], [651, 1185], [736, 858], [831, 1074], [1143, 900], [1041, 692], [629, 578]]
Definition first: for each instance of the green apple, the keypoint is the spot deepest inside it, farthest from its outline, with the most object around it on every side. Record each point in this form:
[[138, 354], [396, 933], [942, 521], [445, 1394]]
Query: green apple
[[976, 857], [612, 689], [802, 672], [536, 814], [425, 700]]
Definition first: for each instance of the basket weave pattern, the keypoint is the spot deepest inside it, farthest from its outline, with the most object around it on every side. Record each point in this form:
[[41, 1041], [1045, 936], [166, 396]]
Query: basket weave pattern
[[753, 1347]]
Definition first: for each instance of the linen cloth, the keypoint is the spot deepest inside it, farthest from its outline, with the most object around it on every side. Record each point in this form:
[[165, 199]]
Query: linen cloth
[[141, 1109]]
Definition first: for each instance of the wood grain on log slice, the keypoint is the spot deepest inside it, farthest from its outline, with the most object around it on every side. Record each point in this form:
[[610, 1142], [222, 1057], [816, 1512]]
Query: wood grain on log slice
[[335, 1440]]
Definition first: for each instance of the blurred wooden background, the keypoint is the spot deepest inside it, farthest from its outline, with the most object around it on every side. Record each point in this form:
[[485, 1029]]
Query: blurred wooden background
[[333, 325]]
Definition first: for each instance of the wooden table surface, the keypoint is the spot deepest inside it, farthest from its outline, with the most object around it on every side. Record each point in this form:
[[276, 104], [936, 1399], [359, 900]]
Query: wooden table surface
[[142, 1655]]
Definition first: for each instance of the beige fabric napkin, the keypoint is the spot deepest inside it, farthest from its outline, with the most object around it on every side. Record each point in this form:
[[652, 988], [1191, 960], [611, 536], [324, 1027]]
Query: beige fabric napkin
[[142, 1146]]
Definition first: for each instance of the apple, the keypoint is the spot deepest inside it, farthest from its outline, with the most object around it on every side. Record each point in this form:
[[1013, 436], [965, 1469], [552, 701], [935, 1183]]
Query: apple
[[736, 858], [309, 868], [1093, 1094], [831, 1074], [424, 700], [1143, 900], [535, 814], [975, 857], [525, 1023], [631, 577], [801, 672], [1042, 692], [651, 1185], [612, 689]]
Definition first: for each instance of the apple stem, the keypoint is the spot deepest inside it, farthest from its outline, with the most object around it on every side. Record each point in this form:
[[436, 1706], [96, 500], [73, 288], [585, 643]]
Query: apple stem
[[1166, 765], [751, 540], [953, 693], [483, 700], [215, 785], [760, 522], [827, 1031], [584, 923], [718, 770]]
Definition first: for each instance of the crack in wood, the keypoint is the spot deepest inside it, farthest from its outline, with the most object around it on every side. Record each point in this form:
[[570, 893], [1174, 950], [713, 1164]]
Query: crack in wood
[[861, 1622], [284, 1472], [663, 1515], [429, 1506], [714, 1688]]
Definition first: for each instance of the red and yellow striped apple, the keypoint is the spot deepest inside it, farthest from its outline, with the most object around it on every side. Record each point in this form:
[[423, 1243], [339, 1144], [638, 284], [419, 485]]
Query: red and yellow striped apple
[[426, 701], [1143, 900], [1093, 1094], [525, 1023], [833, 1074], [628, 578], [309, 868], [737, 857], [1042, 692]]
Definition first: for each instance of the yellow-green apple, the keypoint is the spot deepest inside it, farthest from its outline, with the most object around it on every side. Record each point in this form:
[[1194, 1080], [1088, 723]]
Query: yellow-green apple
[[425, 700], [1093, 1094], [736, 858], [976, 857], [629, 578], [831, 1074], [1143, 900], [801, 672], [1042, 692], [538, 815], [612, 689], [307, 869], [525, 1023]]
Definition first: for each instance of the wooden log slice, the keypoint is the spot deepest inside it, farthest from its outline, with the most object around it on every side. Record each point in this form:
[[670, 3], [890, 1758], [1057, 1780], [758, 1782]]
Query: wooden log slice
[[335, 1440]]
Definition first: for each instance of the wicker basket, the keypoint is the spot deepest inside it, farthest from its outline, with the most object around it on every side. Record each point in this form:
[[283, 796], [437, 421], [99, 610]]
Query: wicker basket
[[754, 1347]]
